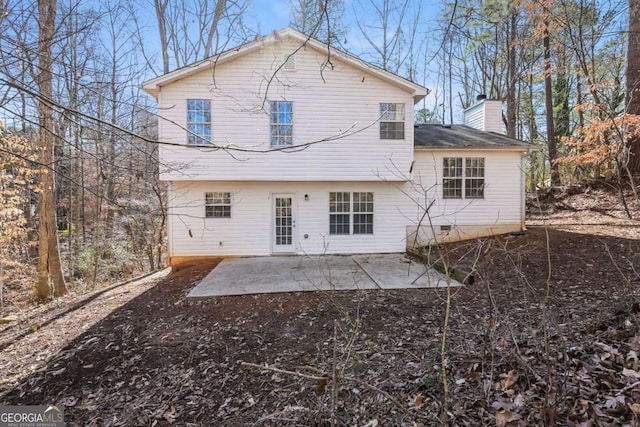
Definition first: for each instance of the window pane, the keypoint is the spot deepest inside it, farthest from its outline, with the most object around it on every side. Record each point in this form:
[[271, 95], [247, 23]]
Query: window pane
[[363, 219], [391, 112], [452, 188], [452, 167], [474, 188], [198, 121], [281, 118], [339, 224], [339, 216], [362, 223], [452, 178], [474, 167], [339, 202], [391, 121], [362, 202], [217, 205], [474, 182], [392, 130]]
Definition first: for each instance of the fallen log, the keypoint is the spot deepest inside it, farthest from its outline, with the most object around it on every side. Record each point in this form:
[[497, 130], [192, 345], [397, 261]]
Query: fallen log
[[464, 277]]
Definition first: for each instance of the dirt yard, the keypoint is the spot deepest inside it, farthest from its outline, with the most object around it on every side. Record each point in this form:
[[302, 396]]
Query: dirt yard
[[548, 335]]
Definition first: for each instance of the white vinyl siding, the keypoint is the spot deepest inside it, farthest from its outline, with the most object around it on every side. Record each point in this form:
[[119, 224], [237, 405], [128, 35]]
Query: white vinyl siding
[[502, 191], [335, 117], [399, 208], [250, 231], [485, 115]]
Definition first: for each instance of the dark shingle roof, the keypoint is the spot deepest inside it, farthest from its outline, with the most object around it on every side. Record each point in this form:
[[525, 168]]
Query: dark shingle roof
[[461, 136]]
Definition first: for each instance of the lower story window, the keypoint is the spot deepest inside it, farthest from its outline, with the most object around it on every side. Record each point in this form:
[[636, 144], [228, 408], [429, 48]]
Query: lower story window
[[350, 213], [339, 213], [463, 178], [362, 213], [217, 205], [474, 178]]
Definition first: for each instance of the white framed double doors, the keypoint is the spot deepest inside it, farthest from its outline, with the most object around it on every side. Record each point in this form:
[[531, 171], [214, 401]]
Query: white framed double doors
[[283, 223]]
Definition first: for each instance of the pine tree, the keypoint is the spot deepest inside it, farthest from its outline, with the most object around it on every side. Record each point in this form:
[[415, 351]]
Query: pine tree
[[633, 80]]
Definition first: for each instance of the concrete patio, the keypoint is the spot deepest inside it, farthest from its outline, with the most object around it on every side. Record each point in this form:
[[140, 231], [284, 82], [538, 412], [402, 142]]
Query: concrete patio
[[257, 275]]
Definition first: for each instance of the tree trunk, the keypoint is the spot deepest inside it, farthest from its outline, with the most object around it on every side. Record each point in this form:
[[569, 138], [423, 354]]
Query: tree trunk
[[548, 98], [511, 75], [533, 137], [633, 80], [49, 266], [161, 16]]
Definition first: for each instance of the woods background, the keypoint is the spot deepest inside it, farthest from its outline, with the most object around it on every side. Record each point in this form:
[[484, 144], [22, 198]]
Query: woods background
[[80, 202]]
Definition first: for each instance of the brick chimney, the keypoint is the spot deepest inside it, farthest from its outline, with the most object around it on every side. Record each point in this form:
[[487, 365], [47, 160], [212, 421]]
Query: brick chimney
[[485, 115]]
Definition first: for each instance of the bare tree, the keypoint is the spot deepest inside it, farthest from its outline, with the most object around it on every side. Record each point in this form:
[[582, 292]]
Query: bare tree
[[385, 30], [322, 19], [190, 30], [49, 264], [548, 99]]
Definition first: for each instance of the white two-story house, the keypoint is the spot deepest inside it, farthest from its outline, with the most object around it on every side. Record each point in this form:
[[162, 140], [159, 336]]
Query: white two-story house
[[286, 146]]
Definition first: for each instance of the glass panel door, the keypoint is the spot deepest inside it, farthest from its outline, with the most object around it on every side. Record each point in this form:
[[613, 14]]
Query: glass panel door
[[284, 223]]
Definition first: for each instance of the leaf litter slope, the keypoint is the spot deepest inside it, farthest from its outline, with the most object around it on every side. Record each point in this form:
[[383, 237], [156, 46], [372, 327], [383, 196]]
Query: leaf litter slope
[[164, 360]]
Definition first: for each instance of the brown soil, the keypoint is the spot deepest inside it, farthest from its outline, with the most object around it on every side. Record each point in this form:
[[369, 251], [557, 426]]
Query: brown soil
[[548, 335]]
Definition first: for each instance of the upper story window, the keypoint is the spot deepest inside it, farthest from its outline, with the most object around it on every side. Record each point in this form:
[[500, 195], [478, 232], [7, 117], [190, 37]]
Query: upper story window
[[198, 121], [391, 121], [459, 181], [281, 123], [217, 205]]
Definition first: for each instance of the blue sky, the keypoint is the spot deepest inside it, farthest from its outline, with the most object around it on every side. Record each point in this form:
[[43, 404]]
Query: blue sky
[[269, 15], [264, 16]]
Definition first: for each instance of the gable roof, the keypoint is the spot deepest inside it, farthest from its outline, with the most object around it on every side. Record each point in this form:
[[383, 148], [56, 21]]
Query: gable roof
[[153, 86], [461, 136]]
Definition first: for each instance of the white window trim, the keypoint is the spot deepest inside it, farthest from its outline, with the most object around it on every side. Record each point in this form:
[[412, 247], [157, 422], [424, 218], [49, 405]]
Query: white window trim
[[464, 178], [350, 213], [213, 204], [396, 119], [279, 124], [209, 123]]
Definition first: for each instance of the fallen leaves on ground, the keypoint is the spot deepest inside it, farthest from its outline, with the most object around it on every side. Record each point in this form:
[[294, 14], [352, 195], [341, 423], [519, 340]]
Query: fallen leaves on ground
[[513, 358]]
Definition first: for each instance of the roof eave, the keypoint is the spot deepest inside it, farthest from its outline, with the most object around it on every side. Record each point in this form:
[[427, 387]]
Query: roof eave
[[523, 148], [153, 86]]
